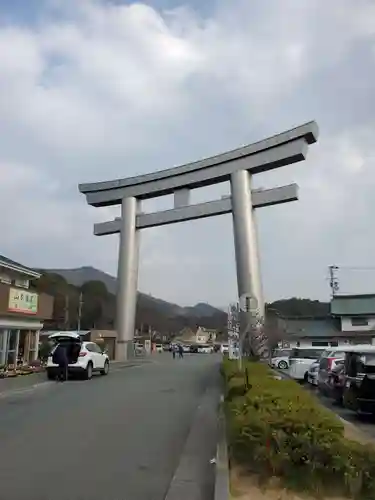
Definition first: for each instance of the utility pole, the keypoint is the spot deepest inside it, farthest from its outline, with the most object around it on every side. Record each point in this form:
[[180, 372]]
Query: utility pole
[[80, 304], [66, 312], [333, 280]]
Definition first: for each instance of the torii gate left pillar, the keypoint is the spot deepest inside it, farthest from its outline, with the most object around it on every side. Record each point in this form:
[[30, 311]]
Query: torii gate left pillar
[[127, 278]]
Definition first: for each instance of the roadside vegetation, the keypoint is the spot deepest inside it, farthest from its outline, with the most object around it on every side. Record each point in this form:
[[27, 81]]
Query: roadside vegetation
[[276, 430]]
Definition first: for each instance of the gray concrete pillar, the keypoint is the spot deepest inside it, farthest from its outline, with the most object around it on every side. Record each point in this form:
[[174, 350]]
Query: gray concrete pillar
[[245, 238], [247, 261], [127, 279]]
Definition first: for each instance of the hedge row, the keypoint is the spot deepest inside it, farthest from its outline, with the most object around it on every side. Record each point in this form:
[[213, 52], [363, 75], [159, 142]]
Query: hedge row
[[276, 428]]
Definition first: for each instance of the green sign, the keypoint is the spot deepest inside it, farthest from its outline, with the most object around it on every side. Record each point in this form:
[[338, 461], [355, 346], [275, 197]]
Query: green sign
[[22, 301]]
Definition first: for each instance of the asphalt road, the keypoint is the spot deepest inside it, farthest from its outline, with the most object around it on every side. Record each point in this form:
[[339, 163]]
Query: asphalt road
[[145, 432]]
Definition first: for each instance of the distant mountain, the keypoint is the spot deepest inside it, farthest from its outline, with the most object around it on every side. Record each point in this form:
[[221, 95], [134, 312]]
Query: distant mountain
[[200, 309], [81, 275]]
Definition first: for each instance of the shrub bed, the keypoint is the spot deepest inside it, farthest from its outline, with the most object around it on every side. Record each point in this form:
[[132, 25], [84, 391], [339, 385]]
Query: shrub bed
[[276, 428]]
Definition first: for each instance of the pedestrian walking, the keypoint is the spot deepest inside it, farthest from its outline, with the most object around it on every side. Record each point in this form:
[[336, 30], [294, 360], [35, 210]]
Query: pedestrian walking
[[180, 351], [174, 351]]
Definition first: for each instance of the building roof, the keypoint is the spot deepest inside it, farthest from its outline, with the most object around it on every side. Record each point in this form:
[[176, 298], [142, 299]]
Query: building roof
[[16, 266], [353, 305], [311, 328], [320, 329]]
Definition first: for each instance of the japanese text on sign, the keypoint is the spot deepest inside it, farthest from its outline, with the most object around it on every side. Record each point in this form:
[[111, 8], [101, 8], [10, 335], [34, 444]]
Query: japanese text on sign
[[22, 301]]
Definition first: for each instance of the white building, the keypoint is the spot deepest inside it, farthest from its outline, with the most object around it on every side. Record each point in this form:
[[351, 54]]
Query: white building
[[199, 335], [352, 321]]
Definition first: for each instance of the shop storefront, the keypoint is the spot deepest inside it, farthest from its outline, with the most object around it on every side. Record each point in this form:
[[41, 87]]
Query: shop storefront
[[22, 312], [19, 341]]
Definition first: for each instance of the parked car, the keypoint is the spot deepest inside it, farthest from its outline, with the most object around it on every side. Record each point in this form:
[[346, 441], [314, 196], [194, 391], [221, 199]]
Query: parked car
[[205, 349], [194, 349], [84, 358], [312, 374], [224, 348], [359, 376], [139, 349], [328, 361], [159, 348], [301, 359], [336, 382], [280, 358], [186, 348]]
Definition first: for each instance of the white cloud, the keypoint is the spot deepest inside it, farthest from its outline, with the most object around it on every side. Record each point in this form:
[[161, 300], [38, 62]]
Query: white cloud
[[109, 90]]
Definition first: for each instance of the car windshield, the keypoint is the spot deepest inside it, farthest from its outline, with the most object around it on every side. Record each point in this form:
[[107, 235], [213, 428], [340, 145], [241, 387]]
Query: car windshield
[[306, 353], [278, 353]]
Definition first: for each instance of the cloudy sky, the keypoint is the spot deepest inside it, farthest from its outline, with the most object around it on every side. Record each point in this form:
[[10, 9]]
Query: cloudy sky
[[93, 90]]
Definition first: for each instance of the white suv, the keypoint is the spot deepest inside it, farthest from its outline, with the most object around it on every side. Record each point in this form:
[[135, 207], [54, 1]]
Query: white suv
[[84, 358], [300, 360]]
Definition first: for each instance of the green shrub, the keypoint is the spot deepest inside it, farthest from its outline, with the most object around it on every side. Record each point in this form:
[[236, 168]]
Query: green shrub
[[276, 428]]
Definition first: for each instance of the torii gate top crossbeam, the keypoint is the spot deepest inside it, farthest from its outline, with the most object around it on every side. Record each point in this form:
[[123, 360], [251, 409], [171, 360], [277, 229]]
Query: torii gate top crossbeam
[[279, 150]]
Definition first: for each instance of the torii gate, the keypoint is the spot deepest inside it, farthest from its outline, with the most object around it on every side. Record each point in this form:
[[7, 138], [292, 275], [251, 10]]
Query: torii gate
[[237, 167]]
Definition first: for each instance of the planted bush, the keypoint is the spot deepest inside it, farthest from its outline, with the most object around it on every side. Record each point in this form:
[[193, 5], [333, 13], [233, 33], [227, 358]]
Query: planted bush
[[276, 428]]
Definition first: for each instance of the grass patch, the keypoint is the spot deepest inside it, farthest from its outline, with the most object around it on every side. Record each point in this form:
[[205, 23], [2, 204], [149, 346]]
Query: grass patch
[[276, 429]]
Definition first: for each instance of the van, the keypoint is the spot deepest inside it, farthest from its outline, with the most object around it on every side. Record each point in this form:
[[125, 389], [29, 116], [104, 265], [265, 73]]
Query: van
[[300, 360], [359, 379]]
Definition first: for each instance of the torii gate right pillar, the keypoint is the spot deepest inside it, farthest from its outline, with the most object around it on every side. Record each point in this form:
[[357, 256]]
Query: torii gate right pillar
[[246, 239]]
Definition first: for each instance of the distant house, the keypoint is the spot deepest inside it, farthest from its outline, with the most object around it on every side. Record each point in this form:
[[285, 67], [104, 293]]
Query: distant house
[[198, 335], [352, 321]]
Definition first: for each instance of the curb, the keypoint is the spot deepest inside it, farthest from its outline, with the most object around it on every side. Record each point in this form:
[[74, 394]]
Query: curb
[[222, 490], [194, 467]]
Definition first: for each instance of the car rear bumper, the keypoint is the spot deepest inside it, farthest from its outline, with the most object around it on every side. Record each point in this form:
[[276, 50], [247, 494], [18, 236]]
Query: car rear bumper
[[54, 370]]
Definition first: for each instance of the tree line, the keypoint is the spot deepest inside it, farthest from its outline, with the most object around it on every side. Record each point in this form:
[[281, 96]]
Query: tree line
[[92, 306]]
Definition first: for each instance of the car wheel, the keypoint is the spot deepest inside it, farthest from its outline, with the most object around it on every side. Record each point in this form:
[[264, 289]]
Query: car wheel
[[105, 369], [283, 365], [88, 371]]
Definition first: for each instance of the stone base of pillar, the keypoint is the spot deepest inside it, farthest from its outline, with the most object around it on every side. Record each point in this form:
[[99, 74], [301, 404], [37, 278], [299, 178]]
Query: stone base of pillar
[[124, 350]]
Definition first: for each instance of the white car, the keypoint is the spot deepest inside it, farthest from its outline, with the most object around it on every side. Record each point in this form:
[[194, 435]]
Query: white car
[[280, 358], [84, 358], [224, 348], [300, 360], [159, 348], [313, 373], [205, 349]]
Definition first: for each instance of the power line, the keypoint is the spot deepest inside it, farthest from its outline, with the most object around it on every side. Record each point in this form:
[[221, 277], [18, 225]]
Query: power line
[[356, 268]]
